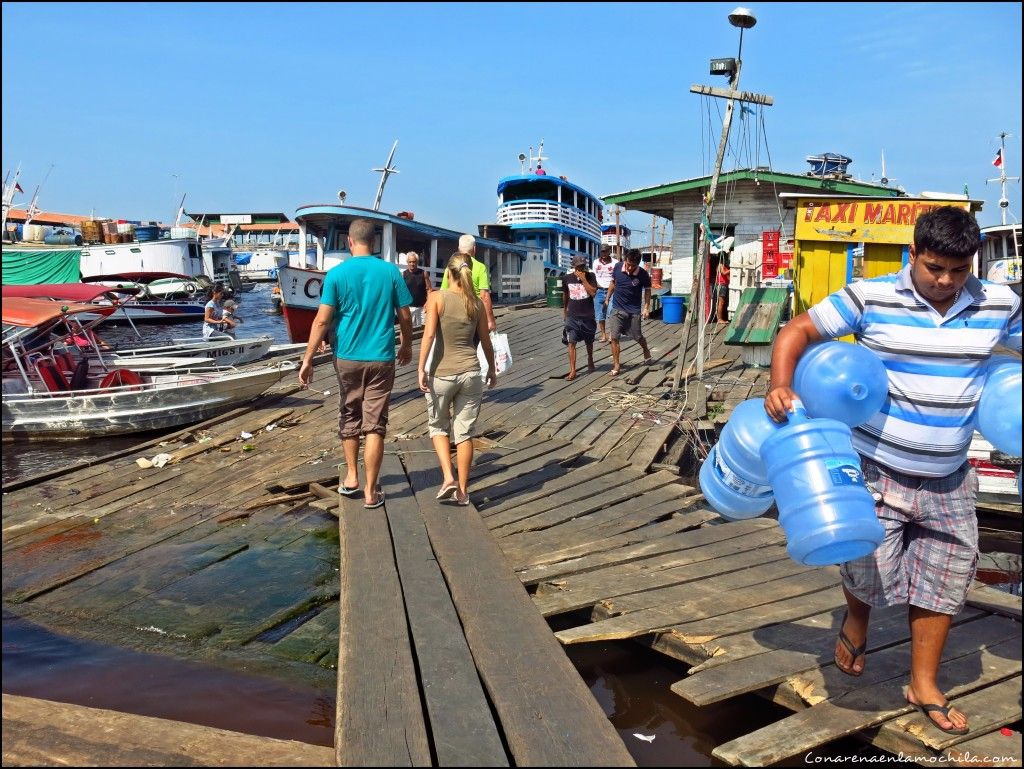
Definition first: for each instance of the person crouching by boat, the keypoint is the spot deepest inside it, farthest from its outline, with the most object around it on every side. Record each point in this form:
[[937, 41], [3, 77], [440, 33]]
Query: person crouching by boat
[[455, 318], [213, 317]]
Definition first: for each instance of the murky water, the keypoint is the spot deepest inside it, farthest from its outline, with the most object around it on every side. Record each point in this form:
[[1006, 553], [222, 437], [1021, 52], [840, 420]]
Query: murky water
[[39, 663]]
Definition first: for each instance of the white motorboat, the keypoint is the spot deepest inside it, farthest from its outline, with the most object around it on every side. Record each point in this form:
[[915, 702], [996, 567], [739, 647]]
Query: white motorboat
[[43, 399]]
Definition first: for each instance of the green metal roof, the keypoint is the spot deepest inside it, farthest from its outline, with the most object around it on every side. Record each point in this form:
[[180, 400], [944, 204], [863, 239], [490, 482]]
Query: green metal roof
[[796, 180]]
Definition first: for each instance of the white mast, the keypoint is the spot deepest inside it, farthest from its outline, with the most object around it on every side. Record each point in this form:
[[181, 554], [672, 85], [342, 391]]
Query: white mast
[[1004, 203], [385, 172]]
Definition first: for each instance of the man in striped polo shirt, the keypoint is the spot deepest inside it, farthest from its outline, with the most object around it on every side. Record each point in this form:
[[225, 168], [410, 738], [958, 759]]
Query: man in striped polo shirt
[[934, 326]]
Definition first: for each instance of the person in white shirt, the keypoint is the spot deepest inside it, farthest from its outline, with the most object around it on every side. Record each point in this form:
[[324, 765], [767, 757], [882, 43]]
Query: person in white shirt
[[603, 268]]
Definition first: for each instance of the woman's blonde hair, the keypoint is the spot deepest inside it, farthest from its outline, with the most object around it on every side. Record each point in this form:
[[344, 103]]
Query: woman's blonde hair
[[460, 270]]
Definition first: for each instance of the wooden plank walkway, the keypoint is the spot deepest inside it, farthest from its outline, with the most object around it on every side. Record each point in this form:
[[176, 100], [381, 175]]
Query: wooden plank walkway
[[442, 658]]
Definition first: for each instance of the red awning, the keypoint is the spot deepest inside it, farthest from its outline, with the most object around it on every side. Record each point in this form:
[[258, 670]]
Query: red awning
[[29, 313], [66, 292]]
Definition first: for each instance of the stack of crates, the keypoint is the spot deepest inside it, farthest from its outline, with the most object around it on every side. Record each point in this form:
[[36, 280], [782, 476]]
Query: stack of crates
[[770, 253]]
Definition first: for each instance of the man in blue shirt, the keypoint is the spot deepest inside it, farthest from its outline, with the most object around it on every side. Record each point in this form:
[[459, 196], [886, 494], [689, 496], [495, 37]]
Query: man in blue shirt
[[631, 287], [359, 300]]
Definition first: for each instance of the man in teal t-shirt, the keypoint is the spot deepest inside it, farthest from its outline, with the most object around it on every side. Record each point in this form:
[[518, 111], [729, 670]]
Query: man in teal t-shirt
[[359, 299]]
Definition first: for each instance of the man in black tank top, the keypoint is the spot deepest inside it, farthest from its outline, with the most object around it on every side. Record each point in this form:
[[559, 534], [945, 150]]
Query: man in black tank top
[[418, 283]]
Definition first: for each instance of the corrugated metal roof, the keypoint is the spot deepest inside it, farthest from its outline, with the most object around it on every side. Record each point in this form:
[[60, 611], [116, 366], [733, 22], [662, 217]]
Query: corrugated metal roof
[[851, 186]]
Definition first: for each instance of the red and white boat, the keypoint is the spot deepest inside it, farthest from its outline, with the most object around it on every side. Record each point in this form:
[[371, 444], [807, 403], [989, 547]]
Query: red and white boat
[[328, 225]]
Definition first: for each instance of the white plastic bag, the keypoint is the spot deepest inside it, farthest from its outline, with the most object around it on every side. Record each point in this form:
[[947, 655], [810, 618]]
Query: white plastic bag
[[502, 354]]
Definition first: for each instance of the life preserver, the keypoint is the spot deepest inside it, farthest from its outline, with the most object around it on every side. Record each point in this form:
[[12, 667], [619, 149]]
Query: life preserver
[[120, 377]]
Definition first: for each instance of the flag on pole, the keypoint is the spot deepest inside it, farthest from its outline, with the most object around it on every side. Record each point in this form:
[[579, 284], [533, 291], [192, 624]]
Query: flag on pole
[[998, 162], [17, 188]]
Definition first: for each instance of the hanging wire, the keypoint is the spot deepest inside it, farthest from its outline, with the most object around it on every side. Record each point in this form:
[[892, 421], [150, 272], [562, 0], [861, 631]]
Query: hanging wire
[[778, 202]]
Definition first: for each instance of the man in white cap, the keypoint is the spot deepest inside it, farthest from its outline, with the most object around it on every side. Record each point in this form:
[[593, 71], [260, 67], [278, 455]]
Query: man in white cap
[[481, 280]]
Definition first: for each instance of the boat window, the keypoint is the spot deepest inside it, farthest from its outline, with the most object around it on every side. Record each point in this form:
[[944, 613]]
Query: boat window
[[136, 250], [110, 252], [531, 191]]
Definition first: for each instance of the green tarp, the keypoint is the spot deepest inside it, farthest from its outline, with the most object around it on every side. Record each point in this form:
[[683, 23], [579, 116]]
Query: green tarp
[[22, 267]]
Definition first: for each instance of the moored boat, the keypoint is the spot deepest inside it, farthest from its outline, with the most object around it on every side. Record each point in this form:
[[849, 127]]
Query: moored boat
[[44, 399]]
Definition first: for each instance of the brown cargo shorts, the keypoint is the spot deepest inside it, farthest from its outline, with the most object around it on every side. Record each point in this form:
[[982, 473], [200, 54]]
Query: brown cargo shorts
[[365, 395]]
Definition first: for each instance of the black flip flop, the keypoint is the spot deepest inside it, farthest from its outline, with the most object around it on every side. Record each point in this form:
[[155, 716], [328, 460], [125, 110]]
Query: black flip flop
[[378, 500], [942, 710], [855, 651]]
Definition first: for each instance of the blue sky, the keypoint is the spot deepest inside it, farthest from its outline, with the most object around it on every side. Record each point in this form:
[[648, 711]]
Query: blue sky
[[265, 107]]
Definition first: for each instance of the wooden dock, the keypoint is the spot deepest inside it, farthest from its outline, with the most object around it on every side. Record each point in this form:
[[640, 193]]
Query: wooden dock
[[443, 658]]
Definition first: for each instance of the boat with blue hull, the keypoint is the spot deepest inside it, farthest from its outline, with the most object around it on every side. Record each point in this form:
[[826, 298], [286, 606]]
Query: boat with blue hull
[[549, 213]]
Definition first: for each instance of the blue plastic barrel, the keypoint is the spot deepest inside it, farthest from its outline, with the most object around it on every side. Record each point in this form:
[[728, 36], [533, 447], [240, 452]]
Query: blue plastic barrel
[[838, 380], [825, 509], [147, 232], [673, 308], [732, 496], [999, 410], [62, 239]]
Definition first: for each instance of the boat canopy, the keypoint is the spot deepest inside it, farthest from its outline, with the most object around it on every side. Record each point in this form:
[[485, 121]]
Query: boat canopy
[[29, 313], [540, 182], [67, 292], [138, 277]]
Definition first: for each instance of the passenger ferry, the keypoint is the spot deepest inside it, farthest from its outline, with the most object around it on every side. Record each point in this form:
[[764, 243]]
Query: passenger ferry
[[515, 271], [549, 213]]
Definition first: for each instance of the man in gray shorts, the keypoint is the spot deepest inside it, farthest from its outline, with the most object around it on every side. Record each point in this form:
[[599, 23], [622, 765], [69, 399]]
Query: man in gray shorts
[[631, 289], [933, 325], [359, 300]]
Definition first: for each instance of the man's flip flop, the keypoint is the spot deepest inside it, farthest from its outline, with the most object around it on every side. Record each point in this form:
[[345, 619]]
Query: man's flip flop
[[613, 372], [378, 500], [942, 710], [854, 651], [345, 491]]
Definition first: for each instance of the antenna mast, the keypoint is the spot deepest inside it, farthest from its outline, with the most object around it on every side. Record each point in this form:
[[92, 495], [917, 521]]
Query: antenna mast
[[1004, 203], [385, 172]]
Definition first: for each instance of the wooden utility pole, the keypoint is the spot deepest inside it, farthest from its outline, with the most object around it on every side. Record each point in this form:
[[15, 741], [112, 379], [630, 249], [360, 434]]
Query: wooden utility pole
[[618, 232], [743, 19]]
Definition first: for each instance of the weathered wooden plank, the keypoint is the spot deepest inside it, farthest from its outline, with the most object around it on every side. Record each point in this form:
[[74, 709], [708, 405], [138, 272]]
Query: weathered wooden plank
[[573, 486], [617, 584], [712, 609], [757, 616], [462, 729], [655, 539], [558, 528], [698, 545], [984, 597], [987, 710], [44, 733], [548, 714], [813, 647], [1007, 749], [379, 719], [866, 705]]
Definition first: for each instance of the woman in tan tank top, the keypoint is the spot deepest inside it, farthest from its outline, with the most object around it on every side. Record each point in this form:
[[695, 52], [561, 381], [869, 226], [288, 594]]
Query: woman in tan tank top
[[451, 378]]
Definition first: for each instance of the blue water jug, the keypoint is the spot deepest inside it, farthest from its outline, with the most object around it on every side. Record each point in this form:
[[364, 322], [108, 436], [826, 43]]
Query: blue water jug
[[999, 417], [734, 479], [838, 380], [825, 509], [732, 497]]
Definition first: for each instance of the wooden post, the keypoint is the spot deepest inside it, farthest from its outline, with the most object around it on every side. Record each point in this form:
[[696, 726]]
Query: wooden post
[[733, 94]]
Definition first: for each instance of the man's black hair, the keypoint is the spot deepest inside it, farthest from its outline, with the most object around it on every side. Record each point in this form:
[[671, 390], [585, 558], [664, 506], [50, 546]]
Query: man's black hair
[[947, 231]]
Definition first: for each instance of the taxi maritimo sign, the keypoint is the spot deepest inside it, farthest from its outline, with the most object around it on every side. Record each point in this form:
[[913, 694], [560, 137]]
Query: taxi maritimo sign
[[854, 220]]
